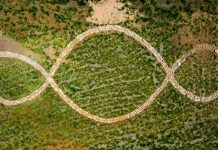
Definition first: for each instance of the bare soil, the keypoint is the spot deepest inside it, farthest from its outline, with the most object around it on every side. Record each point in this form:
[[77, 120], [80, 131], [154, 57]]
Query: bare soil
[[108, 12], [8, 44], [50, 52]]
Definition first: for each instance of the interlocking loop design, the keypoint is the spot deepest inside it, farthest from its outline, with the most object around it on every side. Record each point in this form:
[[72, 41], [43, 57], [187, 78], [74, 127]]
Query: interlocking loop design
[[50, 81]]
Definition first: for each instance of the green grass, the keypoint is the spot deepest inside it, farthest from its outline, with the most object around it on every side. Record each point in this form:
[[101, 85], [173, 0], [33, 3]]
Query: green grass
[[173, 121], [199, 74], [112, 77], [17, 79]]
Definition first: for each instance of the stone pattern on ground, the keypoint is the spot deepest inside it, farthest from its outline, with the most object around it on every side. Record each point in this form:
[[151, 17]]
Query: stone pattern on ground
[[50, 81]]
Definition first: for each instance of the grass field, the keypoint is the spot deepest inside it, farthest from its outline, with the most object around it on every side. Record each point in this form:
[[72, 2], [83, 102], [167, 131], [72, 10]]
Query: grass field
[[117, 71], [109, 75], [18, 79]]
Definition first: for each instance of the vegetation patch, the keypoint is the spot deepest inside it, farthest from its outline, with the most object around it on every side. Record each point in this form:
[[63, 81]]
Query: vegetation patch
[[198, 73], [17, 79], [112, 77]]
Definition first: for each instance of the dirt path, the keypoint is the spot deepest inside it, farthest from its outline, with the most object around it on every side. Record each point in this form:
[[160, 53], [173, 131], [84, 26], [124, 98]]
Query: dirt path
[[50, 81], [8, 44]]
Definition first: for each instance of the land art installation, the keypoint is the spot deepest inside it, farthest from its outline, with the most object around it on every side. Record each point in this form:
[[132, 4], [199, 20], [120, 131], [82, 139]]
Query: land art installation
[[170, 71]]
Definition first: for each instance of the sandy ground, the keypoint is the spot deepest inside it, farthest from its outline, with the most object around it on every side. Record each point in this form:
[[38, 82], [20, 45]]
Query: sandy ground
[[8, 44], [108, 12]]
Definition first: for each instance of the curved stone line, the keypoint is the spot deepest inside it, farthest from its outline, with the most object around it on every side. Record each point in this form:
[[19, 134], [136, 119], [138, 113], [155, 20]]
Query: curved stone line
[[6, 54], [50, 81], [178, 63]]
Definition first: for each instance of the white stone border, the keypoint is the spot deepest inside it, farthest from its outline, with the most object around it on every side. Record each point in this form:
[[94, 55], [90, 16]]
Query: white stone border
[[50, 81]]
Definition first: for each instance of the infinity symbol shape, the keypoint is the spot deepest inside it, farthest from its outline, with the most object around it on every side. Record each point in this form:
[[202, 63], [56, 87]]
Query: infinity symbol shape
[[50, 81]]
